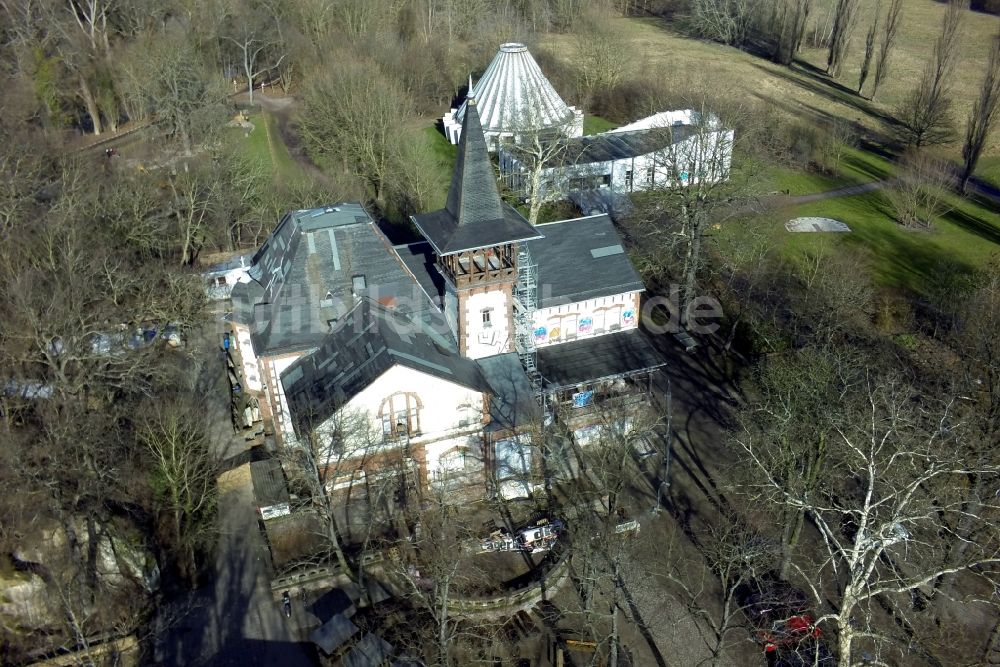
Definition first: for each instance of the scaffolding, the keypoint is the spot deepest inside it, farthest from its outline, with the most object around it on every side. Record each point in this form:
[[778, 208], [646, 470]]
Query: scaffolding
[[525, 304]]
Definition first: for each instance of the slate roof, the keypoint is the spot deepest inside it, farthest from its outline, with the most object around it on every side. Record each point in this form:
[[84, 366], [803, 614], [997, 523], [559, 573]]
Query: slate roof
[[581, 259], [474, 215], [611, 146], [332, 634], [269, 486], [419, 260], [371, 651], [513, 403], [307, 272], [367, 342], [601, 357]]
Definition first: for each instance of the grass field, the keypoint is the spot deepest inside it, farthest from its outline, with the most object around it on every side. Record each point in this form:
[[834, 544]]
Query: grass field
[[966, 238], [445, 154], [265, 146], [804, 91], [595, 124], [856, 166]]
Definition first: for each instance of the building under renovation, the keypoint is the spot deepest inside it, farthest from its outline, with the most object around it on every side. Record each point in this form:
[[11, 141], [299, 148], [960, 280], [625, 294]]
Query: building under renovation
[[514, 98], [440, 362]]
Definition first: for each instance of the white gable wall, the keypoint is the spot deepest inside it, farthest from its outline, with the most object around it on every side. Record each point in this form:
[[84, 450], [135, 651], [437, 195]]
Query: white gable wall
[[586, 319], [450, 415]]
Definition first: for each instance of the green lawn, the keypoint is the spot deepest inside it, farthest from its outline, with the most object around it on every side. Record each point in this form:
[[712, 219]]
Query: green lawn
[[445, 153], [856, 166], [988, 169], [595, 124], [964, 240], [265, 146]]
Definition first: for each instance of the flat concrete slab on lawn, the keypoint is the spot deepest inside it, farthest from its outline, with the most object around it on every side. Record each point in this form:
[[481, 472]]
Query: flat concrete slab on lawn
[[816, 225]]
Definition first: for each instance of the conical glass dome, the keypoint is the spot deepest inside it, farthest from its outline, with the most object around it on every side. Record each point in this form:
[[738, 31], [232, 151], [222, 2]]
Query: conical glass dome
[[513, 97]]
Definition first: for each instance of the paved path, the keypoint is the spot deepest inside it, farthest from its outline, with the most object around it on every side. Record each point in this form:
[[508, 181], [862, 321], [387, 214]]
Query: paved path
[[976, 187], [847, 191], [233, 619]]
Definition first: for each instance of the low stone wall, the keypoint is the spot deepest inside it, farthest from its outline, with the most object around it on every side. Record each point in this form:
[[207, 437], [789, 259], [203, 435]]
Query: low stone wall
[[514, 601]]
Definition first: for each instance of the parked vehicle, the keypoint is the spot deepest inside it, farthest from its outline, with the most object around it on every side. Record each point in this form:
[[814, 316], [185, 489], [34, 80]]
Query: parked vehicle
[[541, 536], [783, 624]]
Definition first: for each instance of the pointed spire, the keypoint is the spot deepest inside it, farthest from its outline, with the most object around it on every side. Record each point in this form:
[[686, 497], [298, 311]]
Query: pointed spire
[[473, 197]]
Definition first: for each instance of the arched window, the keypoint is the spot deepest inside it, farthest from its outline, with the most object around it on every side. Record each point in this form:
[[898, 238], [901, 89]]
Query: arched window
[[451, 463], [400, 415]]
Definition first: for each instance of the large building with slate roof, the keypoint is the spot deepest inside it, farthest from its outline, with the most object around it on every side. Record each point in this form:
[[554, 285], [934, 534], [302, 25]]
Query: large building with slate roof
[[440, 359], [669, 149]]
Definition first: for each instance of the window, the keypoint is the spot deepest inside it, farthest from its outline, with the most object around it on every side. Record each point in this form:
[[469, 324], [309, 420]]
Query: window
[[599, 321], [569, 327], [613, 318], [628, 179], [650, 172], [451, 463], [487, 317], [400, 415], [468, 414]]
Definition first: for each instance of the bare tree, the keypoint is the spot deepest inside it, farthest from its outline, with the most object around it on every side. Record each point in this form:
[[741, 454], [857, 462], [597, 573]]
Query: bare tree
[[185, 469], [354, 117], [258, 50], [793, 418], [726, 21], [730, 556], [883, 508], [436, 570], [695, 167], [195, 195], [982, 117], [838, 137], [844, 21], [526, 160], [866, 62], [919, 193], [312, 465], [785, 27], [926, 113], [887, 41], [602, 55], [165, 78]]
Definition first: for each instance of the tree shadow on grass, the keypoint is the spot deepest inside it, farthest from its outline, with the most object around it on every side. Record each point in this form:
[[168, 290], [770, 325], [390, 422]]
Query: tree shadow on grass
[[911, 260], [814, 80], [975, 224]]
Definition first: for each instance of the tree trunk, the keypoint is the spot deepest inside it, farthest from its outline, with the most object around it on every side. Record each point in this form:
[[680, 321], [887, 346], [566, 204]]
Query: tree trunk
[[247, 68], [789, 540], [691, 267], [535, 204], [443, 628], [90, 104]]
